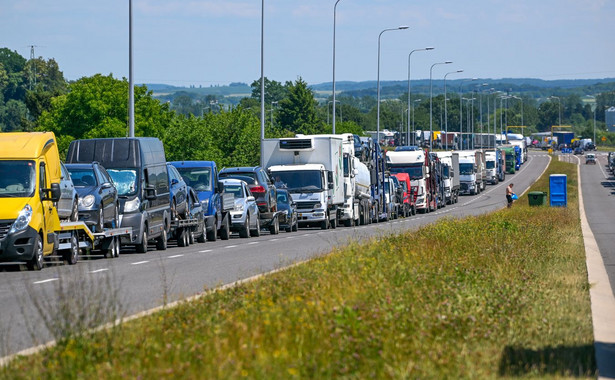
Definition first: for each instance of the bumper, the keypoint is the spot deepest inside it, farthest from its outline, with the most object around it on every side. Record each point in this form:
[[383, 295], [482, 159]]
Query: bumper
[[312, 216], [347, 213], [467, 188], [18, 247], [238, 220], [135, 221]]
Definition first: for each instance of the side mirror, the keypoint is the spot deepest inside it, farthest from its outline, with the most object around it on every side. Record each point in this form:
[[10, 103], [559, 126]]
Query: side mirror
[[250, 199], [220, 188], [150, 192], [52, 194], [174, 181], [330, 186]]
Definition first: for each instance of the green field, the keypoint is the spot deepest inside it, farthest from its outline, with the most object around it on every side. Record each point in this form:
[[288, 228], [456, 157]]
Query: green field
[[497, 296]]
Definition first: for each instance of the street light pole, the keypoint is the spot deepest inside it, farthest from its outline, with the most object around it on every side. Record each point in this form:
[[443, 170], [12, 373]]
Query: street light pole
[[409, 101], [445, 110], [461, 108], [262, 78], [334, 21], [131, 87], [378, 81], [431, 101]]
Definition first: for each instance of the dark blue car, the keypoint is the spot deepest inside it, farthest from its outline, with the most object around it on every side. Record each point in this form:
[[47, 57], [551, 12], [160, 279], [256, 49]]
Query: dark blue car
[[178, 190]]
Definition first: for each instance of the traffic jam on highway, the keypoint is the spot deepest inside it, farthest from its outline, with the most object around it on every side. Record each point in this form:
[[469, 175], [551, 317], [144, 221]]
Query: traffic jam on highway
[[116, 193]]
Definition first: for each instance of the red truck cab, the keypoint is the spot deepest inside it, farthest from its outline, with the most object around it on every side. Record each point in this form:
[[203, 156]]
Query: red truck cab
[[409, 197]]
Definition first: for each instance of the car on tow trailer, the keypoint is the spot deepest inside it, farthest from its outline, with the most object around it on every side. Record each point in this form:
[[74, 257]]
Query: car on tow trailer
[[245, 215]]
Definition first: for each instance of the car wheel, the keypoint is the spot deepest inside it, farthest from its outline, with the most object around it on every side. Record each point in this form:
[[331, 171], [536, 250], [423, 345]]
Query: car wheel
[[257, 231], [174, 210], [72, 255], [201, 237], [100, 224], [116, 247], [181, 237], [245, 230], [116, 217], [190, 236], [225, 229], [74, 215], [142, 248], [161, 241], [274, 229], [38, 261], [212, 235]]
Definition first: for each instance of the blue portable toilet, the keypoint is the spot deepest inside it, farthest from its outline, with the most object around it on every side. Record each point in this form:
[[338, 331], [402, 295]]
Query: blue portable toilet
[[558, 190]]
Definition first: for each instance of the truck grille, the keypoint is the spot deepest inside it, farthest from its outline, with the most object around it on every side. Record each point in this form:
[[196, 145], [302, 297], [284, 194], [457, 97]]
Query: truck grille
[[306, 205], [5, 226], [463, 186], [295, 144]]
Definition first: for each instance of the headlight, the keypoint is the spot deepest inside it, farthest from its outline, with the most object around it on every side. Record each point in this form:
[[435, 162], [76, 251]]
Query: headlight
[[239, 207], [205, 205], [23, 219], [87, 201], [317, 206], [132, 205]]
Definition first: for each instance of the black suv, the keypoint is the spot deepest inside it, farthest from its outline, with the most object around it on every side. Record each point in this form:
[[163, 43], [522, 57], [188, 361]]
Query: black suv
[[259, 183]]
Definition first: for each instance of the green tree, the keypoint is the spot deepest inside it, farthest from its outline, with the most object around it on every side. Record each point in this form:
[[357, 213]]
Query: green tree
[[12, 115], [98, 107], [13, 64], [297, 112], [274, 91]]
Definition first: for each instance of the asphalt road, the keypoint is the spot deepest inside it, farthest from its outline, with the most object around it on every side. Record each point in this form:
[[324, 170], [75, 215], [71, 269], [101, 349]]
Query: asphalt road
[[144, 281]]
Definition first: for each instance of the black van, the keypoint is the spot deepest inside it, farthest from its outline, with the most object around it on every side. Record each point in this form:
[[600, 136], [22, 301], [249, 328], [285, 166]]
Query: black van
[[138, 168]]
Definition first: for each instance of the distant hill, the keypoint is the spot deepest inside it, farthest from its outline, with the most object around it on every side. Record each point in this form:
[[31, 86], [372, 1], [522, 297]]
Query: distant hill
[[530, 87]]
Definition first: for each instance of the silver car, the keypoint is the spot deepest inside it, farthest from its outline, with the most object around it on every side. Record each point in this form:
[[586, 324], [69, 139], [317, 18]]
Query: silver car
[[245, 215], [68, 205]]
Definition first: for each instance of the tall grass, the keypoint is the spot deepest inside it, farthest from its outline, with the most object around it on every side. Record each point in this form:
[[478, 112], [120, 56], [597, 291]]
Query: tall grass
[[500, 295]]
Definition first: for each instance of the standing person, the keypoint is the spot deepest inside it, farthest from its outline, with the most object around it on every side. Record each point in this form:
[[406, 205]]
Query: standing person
[[509, 194]]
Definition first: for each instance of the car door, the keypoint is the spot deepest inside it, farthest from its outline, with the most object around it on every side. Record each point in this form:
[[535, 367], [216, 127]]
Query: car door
[[106, 192]]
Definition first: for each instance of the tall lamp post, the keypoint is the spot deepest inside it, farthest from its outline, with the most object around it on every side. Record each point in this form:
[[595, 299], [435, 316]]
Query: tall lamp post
[[131, 88], [461, 108], [262, 78], [445, 110], [431, 101], [409, 101], [334, 20]]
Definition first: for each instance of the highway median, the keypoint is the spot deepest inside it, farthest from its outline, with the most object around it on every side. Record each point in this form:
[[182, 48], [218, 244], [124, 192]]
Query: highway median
[[498, 295]]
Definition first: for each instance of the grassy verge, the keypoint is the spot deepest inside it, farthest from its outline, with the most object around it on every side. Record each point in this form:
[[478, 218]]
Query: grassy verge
[[501, 295]]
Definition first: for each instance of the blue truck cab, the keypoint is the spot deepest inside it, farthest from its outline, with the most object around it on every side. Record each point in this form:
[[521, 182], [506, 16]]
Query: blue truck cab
[[518, 154], [202, 176]]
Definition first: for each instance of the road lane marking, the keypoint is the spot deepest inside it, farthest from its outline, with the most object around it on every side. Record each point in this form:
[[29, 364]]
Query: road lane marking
[[230, 246], [276, 239], [99, 270], [205, 251], [140, 262], [48, 280], [174, 256], [251, 243]]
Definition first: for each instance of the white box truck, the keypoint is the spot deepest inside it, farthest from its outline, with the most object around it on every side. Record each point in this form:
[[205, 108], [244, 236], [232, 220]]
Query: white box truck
[[471, 170], [451, 175], [311, 168]]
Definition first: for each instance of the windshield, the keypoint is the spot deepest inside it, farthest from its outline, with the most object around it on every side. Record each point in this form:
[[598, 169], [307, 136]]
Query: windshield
[[490, 164], [125, 181], [83, 177], [236, 190], [308, 180], [414, 171], [466, 169], [197, 178], [446, 172], [282, 198], [17, 179]]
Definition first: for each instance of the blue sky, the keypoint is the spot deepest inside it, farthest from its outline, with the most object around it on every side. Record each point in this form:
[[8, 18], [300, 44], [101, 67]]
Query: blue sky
[[183, 42]]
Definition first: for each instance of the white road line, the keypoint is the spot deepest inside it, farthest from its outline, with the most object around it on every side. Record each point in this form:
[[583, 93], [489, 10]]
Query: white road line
[[48, 280], [174, 256], [205, 251], [274, 239], [99, 270], [230, 246], [140, 262], [253, 242]]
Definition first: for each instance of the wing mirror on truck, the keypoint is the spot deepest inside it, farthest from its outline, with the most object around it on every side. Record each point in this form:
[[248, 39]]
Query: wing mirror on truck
[[53, 193], [150, 192]]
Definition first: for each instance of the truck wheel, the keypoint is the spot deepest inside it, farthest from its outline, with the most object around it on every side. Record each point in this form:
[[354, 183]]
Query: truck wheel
[[212, 235], [274, 229], [190, 236], [348, 223], [325, 223], [72, 255], [161, 241], [142, 248], [244, 232], [225, 229], [38, 261], [257, 231], [333, 223]]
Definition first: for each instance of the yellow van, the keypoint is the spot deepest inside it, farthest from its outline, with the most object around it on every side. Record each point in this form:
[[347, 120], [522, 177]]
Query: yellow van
[[29, 187]]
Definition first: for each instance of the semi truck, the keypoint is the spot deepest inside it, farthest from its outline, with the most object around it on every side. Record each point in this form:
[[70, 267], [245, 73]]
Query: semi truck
[[510, 158], [450, 176], [419, 166], [30, 228], [472, 171], [312, 169], [495, 166]]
